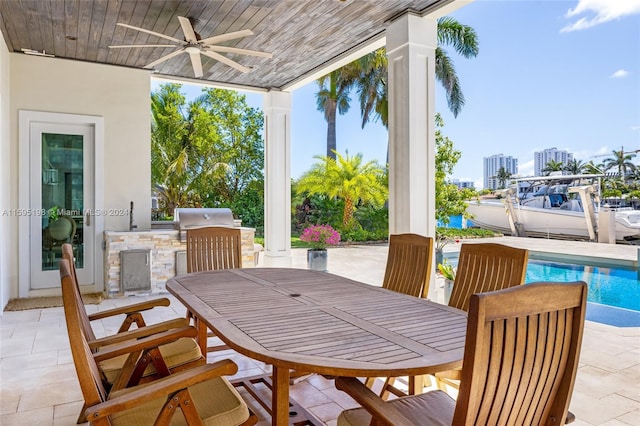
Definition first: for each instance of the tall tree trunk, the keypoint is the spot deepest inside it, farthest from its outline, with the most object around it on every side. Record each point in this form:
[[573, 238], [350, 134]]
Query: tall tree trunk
[[347, 214], [331, 128]]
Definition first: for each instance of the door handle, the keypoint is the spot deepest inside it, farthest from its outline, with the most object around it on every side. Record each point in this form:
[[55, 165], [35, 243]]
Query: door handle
[[87, 220]]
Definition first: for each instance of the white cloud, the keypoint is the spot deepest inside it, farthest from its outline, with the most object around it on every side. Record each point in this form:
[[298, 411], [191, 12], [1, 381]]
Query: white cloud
[[526, 168], [619, 74], [635, 128], [603, 11], [590, 154]]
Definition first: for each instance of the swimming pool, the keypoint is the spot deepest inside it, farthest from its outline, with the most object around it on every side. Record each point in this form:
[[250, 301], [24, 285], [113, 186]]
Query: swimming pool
[[614, 293], [615, 287]]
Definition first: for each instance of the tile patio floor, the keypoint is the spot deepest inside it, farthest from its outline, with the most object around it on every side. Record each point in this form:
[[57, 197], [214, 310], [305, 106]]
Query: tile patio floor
[[38, 385]]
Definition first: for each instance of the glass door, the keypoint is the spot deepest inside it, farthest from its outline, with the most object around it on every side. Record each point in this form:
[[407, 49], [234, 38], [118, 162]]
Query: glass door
[[61, 200]]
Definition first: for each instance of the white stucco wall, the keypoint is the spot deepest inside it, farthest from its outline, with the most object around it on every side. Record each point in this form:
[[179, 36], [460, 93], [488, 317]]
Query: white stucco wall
[[120, 96], [7, 263]]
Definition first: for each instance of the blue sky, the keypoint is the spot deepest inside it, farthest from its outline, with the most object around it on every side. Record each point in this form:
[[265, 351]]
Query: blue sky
[[562, 74]]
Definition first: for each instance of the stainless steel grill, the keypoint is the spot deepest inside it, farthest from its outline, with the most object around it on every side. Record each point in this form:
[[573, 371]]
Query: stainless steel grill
[[185, 218]]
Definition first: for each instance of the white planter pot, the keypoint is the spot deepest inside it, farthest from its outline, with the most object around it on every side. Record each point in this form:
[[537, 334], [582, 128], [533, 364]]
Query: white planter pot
[[317, 259], [448, 287]]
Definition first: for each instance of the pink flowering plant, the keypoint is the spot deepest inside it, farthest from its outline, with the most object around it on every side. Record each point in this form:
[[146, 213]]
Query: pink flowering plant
[[320, 236]]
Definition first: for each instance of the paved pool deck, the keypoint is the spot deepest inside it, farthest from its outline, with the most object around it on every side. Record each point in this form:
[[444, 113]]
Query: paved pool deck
[[38, 385]]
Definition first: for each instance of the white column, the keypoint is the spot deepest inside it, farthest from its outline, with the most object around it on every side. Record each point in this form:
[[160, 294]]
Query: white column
[[277, 177], [411, 44]]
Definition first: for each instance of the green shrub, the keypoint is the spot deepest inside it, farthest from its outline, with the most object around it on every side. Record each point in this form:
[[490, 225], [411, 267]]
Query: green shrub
[[454, 233]]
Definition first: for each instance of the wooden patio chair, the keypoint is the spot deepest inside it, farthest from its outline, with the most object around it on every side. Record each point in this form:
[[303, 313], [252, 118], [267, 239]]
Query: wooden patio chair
[[409, 264], [213, 247], [133, 312], [136, 356], [482, 268], [200, 393], [487, 267], [505, 378]]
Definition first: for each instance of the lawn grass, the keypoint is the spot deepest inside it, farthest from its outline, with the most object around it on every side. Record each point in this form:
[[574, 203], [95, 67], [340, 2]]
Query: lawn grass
[[295, 242]]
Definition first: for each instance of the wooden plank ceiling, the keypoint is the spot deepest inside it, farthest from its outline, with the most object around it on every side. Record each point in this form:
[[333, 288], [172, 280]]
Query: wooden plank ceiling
[[302, 35]]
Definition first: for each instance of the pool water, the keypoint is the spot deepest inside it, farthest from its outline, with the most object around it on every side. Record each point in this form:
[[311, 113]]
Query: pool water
[[614, 293], [614, 287]]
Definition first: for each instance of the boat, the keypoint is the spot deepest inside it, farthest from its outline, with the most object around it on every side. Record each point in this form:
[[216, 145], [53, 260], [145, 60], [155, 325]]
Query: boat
[[556, 207]]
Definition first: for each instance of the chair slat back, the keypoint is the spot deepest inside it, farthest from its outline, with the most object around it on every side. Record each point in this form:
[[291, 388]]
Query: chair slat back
[[86, 368], [213, 247], [521, 354], [67, 254], [487, 267], [409, 264]]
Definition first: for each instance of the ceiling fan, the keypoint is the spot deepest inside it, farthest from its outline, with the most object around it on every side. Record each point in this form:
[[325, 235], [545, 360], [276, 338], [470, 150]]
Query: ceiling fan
[[194, 45]]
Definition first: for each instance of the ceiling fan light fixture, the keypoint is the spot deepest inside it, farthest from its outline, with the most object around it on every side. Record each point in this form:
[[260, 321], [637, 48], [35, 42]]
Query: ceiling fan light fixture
[[195, 46]]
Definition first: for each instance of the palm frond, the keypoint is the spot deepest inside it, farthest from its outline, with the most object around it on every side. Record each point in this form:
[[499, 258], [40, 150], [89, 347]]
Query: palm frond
[[462, 38], [446, 74]]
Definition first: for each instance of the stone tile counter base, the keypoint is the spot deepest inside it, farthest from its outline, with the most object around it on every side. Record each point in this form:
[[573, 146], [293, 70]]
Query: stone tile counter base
[[163, 245]]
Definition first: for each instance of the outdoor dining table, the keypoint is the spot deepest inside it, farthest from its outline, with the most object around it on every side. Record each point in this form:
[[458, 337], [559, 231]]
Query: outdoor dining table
[[317, 322]]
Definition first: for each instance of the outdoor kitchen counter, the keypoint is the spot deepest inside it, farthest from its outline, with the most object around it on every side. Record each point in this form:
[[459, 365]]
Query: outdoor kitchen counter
[[163, 245]]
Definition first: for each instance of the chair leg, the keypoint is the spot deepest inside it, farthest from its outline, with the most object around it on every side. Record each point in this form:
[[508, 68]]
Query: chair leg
[[82, 417], [385, 392]]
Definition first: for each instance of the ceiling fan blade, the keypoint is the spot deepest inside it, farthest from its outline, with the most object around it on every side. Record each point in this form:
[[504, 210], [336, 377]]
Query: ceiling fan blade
[[164, 58], [239, 51], [142, 45], [150, 32], [196, 63], [187, 29], [224, 37], [226, 61]]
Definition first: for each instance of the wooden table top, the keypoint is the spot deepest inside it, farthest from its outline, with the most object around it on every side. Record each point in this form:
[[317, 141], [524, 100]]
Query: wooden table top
[[323, 323]]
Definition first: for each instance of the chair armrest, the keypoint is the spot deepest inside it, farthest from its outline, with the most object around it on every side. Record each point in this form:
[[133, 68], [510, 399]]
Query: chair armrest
[[149, 342], [161, 388], [136, 307], [139, 333], [383, 412], [449, 374]]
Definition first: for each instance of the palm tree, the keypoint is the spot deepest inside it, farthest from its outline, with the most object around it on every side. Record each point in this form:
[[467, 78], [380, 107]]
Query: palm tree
[[622, 161], [591, 168], [553, 166], [464, 41], [371, 84], [346, 178], [502, 176], [333, 97], [369, 76], [634, 178], [575, 167], [170, 148]]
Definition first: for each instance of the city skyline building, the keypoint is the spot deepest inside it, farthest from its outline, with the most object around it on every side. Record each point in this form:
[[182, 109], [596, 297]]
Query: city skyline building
[[541, 158], [491, 167], [461, 184]]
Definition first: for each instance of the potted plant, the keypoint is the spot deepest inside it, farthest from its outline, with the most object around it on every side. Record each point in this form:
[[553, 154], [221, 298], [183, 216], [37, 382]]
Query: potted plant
[[319, 237], [448, 272], [442, 239]]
